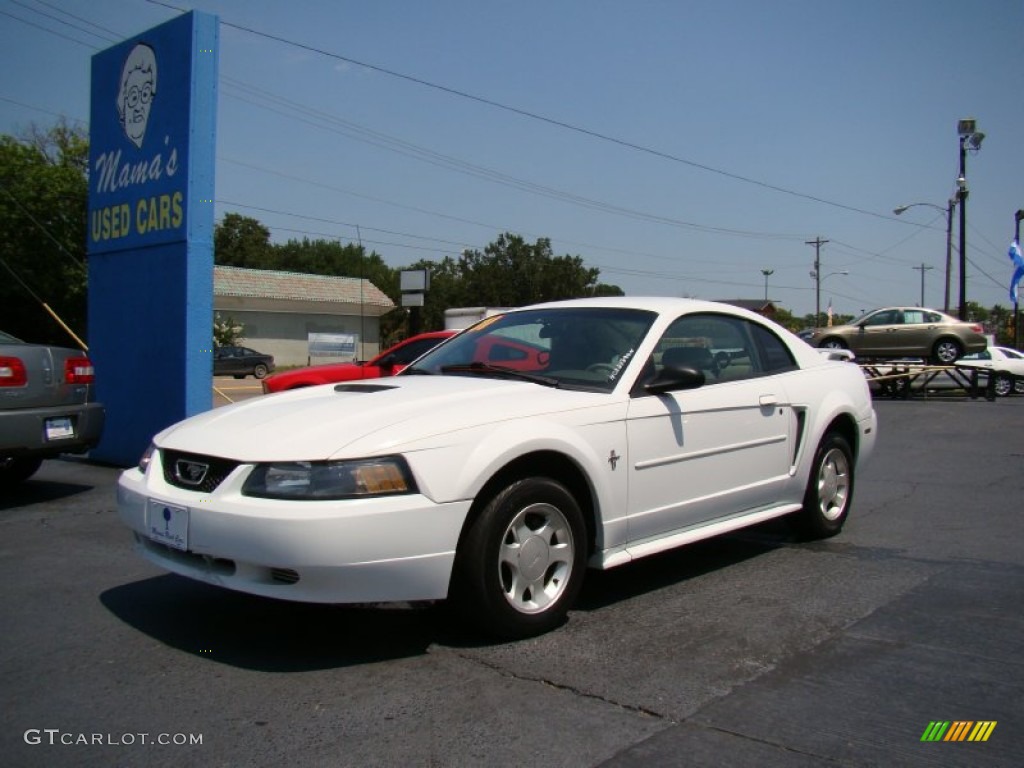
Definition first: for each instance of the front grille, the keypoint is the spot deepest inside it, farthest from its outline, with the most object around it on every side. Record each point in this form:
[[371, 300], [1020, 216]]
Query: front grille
[[178, 475]]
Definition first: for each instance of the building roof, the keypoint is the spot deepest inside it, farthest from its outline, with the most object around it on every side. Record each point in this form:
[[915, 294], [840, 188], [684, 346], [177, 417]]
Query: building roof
[[269, 284]]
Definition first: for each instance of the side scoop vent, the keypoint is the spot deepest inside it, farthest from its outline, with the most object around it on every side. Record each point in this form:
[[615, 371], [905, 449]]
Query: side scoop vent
[[362, 387]]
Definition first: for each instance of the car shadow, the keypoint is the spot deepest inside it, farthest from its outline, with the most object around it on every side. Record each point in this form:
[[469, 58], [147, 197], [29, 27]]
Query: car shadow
[[604, 588], [280, 636], [266, 634], [37, 491]]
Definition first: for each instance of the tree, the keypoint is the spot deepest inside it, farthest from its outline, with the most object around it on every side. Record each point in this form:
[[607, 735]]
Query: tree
[[227, 332], [43, 198], [509, 272], [241, 241]]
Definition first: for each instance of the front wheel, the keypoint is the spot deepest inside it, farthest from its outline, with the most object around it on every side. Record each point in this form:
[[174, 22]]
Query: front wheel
[[833, 343], [946, 352], [520, 565], [260, 371], [829, 489]]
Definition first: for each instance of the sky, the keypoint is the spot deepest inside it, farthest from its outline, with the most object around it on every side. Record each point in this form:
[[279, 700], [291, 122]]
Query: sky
[[681, 147]]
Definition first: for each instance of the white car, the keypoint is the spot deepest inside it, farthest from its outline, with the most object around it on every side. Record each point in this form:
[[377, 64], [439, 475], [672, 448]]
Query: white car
[[495, 469], [1007, 363]]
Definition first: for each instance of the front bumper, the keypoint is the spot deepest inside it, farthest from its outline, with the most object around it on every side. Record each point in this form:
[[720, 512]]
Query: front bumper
[[389, 549]]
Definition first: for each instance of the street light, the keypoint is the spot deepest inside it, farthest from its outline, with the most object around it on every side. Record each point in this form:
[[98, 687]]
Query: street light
[[948, 210], [819, 279], [970, 139], [766, 273]]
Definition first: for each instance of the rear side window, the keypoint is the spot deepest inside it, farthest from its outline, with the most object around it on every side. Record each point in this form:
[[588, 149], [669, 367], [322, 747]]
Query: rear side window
[[723, 347], [775, 355]]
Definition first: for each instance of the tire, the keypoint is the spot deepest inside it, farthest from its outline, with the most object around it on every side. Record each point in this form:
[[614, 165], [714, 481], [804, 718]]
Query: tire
[[829, 489], [946, 351], [1004, 384], [833, 343], [260, 371], [17, 469], [520, 565]]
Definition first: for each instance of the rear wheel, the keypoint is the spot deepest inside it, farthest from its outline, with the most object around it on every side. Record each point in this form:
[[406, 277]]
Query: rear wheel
[[946, 351], [1004, 384], [829, 489], [520, 564], [17, 469]]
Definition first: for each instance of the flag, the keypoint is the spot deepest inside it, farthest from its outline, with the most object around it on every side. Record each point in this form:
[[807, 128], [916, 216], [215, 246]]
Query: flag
[[1018, 261]]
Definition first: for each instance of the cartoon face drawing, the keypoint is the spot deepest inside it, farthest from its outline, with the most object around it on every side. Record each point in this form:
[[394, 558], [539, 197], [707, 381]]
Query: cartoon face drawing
[[137, 91]]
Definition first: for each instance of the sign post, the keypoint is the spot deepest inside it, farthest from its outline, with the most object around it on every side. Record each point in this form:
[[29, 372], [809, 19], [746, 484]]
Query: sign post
[[150, 230]]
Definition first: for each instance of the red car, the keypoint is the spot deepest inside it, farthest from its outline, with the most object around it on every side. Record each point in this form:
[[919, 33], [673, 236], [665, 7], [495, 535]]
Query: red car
[[387, 363]]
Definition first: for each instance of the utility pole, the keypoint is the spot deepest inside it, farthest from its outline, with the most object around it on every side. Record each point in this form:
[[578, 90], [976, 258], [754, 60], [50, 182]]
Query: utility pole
[[816, 274], [924, 268]]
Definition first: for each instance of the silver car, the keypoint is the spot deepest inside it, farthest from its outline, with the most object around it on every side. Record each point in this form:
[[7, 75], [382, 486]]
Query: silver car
[[47, 406]]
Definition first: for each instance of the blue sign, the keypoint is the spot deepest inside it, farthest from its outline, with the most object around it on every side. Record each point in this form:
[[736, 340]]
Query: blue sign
[[139, 140], [150, 230]]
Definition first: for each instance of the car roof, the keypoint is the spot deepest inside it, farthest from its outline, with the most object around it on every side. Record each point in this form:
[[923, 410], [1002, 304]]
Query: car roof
[[659, 304]]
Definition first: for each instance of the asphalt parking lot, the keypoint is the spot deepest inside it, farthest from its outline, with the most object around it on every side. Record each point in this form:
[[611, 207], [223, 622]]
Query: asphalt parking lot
[[750, 650]]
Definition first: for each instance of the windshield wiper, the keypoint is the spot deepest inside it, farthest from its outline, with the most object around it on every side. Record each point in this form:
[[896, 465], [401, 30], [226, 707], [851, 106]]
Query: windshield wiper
[[412, 370], [487, 369]]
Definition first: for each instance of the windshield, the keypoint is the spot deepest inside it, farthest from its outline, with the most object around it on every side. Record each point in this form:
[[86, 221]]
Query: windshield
[[575, 348]]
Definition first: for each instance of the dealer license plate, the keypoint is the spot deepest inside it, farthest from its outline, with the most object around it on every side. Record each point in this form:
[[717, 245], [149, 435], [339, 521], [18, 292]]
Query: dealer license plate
[[59, 428], [167, 524]]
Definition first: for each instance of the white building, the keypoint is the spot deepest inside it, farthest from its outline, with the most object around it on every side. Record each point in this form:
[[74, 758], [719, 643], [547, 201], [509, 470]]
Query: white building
[[302, 319]]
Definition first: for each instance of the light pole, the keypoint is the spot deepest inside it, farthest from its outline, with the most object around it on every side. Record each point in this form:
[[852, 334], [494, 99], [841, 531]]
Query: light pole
[[970, 139], [766, 273], [1017, 217], [818, 280], [949, 240]]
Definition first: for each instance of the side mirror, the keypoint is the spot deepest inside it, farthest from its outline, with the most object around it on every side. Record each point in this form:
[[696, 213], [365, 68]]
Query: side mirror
[[672, 379]]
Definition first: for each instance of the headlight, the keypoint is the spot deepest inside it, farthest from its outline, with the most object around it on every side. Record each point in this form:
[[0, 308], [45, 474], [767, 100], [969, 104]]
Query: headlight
[[146, 457], [321, 480]]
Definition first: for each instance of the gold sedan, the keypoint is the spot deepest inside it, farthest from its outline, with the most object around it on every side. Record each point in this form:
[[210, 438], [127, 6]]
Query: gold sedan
[[904, 332]]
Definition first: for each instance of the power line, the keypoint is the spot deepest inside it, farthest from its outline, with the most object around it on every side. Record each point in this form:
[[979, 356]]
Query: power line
[[538, 117], [376, 138], [45, 29]]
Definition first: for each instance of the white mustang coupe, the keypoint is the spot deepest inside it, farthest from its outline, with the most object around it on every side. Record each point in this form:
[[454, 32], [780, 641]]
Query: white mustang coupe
[[499, 466]]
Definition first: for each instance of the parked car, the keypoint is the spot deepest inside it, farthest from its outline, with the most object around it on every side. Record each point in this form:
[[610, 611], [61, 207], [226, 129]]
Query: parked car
[[387, 363], [905, 332], [1008, 365], [241, 362], [619, 433], [47, 406]]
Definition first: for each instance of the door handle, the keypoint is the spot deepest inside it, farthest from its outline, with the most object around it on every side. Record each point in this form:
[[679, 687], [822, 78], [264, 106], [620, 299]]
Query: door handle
[[767, 401]]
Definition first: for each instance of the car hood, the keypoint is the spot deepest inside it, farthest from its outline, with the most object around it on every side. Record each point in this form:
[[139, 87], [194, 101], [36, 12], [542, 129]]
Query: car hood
[[364, 418]]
